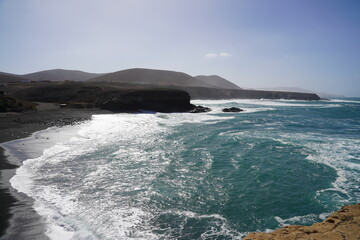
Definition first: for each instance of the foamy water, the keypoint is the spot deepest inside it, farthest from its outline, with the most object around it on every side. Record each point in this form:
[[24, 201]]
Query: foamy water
[[193, 176]]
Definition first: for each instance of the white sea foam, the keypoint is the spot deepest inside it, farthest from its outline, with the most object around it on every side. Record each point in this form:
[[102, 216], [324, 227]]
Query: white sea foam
[[303, 220], [32, 148], [334, 152], [338, 152], [259, 109], [177, 119], [344, 101], [222, 226], [67, 178]]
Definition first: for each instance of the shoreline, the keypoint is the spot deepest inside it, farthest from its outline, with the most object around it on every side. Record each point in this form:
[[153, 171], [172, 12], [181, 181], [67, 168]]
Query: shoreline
[[18, 219]]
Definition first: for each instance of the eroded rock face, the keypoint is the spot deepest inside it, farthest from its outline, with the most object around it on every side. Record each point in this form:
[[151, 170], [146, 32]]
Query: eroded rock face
[[343, 224], [150, 100]]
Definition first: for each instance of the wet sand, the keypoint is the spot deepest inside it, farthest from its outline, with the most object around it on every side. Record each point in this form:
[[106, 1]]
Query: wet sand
[[18, 220]]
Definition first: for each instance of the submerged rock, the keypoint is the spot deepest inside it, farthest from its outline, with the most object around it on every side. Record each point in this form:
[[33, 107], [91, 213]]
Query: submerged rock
[[232, 109], [343, 224]]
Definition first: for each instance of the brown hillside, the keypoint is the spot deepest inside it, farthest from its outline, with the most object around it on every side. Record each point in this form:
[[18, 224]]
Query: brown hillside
[[152, 77]]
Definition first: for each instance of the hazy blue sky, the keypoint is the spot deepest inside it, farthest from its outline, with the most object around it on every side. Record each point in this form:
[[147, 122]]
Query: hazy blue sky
[[313, 44]]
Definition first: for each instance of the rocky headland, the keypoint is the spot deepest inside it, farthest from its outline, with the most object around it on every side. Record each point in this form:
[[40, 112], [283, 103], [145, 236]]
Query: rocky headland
[[85, 95], [343, 224], [157, 100]]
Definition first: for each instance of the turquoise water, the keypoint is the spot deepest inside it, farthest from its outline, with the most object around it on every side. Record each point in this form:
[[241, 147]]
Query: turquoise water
[[198, 176]]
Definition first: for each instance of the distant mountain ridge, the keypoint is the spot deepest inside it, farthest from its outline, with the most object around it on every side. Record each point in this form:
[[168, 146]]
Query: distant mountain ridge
[[218, 82]]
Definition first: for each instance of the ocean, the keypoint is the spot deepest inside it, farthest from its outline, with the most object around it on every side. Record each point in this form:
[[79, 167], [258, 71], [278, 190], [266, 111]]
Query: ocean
[[194, 176]]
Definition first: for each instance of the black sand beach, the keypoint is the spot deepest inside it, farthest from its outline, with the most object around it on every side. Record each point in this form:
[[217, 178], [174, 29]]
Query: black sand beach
[[18, 220]]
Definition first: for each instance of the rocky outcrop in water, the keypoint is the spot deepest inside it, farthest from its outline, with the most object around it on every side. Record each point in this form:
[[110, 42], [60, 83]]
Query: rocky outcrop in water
[[232, 109], [200, 109], [343, 224]]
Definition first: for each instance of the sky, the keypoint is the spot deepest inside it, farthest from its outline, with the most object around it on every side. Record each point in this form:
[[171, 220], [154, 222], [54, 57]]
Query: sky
[[312, 44]]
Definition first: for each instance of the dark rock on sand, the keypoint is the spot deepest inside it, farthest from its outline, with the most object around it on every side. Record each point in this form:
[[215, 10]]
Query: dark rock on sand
[[232, 109]]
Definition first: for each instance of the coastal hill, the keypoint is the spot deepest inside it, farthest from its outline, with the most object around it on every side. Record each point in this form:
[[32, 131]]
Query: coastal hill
[[218, 82], [49, 75], [200, 87], [203, 87], [60, 75], [152, 77], [11, 78]]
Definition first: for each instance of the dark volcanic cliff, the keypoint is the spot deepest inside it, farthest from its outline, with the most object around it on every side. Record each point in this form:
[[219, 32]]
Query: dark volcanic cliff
[[215, 93], [157, 100], [109, 98], [256, 94]]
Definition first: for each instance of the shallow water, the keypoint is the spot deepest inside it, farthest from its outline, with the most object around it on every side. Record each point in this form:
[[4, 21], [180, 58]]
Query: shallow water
[[195, 176]]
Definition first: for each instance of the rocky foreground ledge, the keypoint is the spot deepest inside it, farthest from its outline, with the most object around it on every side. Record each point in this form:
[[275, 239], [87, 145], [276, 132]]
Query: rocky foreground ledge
[[343, 224]]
